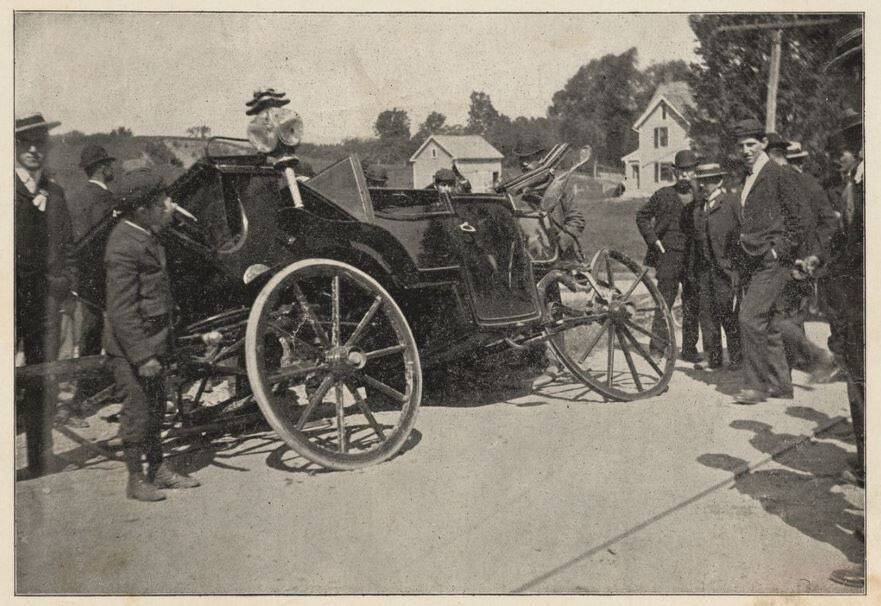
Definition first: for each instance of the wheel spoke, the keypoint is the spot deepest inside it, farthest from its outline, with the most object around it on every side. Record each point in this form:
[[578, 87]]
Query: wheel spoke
[[382, 387], [630, 363], [340, 416], [315, 400], [594, 340], [386, 351], [633, 286], [335, 311], [310, 317], [366, 411], [646, 332], [611, 349], [641, 351], [609, 273], [362, 325], [293, 371]]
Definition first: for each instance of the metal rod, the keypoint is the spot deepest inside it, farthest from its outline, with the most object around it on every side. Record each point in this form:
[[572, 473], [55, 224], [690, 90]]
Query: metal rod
[[778, 25]]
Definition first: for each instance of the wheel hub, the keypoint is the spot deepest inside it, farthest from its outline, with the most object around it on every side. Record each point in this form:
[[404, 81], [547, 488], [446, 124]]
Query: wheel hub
[[344, 360]]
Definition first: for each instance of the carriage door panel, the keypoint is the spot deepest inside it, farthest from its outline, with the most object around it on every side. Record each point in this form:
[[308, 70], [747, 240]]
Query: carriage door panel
[[495, 264]]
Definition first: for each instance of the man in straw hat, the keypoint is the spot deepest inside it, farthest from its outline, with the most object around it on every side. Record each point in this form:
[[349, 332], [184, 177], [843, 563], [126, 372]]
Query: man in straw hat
[[716, 231], [666, 223], [777, 228], [44, 275], [138, 330]]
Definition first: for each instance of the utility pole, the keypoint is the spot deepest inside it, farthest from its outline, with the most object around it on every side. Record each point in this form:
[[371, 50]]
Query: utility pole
[[776, 52]]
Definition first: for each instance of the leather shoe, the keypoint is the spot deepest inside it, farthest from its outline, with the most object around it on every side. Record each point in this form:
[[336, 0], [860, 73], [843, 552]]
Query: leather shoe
[[549, 375], [781, 395], [166, 478], [749, 396], [141, 490], [691, 356]]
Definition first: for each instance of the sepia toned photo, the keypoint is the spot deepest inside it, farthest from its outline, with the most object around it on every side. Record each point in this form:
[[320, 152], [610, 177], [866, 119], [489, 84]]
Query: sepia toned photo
[[438, 303]]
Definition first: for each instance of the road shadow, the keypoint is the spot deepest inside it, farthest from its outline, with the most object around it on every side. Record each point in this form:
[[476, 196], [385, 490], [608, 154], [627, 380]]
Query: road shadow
[[841, 430], [726, 381], [803, 501]]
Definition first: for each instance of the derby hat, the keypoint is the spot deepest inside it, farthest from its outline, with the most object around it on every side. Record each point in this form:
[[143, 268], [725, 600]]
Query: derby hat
[[94, 154], [34, 126], [139, 187], [775, 141], [794, 151], [709, 170], [748, 128], [685, 159]]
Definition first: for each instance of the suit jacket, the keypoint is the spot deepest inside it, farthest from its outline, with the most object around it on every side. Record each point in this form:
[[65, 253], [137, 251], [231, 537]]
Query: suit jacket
[[827, 223], [551, 197], [777, 216], [88, 211], [44, 263], [717, 232], [664, 217], [138, 323]]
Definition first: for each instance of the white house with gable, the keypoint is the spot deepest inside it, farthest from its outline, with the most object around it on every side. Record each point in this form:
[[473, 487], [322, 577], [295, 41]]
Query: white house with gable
[[476, 159], [663, 131]]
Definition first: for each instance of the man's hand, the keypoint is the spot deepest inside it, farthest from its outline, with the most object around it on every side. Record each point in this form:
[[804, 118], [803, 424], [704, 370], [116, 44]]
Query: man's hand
[[150, 368], [805, 268], [567, 242], [660, 246]]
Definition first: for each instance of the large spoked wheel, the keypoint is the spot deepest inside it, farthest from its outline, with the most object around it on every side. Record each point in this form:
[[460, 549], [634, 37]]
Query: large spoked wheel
[[333, 364], [628, 349]]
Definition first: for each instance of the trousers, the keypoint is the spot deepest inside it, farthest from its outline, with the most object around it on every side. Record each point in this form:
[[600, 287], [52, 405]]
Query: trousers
[[717, 313], [669, 288], [764, 356], [143, 406]]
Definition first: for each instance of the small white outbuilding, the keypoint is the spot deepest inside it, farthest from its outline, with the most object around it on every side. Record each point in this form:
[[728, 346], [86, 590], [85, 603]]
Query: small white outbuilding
[[476, 159]]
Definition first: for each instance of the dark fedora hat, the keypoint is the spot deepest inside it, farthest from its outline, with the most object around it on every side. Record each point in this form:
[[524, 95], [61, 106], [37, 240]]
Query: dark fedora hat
[[31, 124], [775, 141], [445, 175], [749, 127], [685, 159], [709, 170], [139, 187], [94, 154]]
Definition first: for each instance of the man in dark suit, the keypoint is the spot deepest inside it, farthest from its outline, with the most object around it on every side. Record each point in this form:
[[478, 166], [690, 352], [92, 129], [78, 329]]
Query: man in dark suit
[[801, 353], [716, 231], [44, 274], [666, 223], [89, 211], [777, 228], [138, 331]]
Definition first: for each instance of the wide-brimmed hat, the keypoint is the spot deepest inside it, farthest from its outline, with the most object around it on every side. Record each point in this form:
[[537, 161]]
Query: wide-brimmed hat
[[94, 154], [445, 175], [775, 141], [709, 170], [794, 151], [30, 125], [264, 99], [848, 47], [749, 127], [685, 159]]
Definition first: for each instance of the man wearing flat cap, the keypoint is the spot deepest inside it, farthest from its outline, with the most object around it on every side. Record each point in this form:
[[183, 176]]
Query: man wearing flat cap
[[716, 231], [44, 275], [777, 228], [138, 330], [666, 223], [89, 210]]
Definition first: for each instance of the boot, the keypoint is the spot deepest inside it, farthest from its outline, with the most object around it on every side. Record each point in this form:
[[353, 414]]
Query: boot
[[138, 487], [165, 477]]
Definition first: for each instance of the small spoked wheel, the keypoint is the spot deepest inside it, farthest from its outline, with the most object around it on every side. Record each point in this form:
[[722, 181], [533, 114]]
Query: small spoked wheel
[[333, 364], [625, 349]]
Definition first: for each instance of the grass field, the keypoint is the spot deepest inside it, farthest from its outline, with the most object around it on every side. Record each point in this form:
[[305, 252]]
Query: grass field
[[611, 223]]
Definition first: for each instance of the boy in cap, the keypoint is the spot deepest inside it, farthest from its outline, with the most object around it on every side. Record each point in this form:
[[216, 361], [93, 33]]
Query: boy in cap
[[666, 223], [776, 229], [138, 330], [715, 240], [44, 275]]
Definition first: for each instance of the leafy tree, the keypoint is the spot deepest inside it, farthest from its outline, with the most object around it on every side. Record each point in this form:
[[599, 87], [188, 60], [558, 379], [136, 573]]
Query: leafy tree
[[730, 81], [121, 131], [598, 105], [392, 124], [434, 124], [482, 116], [199, 132]]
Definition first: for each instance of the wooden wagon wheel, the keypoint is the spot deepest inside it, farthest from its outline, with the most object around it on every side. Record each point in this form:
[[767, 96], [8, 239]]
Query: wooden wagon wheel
[[629, 351], [322, 337]]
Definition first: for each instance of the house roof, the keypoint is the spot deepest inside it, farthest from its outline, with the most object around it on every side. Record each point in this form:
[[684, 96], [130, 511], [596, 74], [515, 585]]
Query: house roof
[[462, 147], [677, 95]]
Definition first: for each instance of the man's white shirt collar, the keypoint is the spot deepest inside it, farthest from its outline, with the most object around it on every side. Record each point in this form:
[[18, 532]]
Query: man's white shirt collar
[[99, 184], [136, 226], [30, 181], [758, 165]]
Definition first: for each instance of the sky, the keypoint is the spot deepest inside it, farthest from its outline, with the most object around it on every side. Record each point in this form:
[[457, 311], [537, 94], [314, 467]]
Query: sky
[[159, 74]]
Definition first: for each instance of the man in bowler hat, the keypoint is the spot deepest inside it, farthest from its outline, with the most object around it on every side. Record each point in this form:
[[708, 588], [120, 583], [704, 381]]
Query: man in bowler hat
[[716, 231], [138, 330], [776, 229], [89, 211], [44, 275], [666, 223]]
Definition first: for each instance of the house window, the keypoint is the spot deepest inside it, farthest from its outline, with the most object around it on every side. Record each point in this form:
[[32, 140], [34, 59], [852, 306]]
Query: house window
[[434, 152], [660, 137], [663, 172], [495, 178], [663, 111]]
